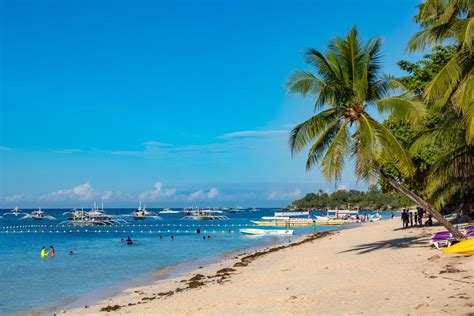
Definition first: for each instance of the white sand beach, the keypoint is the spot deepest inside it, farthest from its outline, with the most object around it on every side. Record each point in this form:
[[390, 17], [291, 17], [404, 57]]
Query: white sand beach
[[375, 269]]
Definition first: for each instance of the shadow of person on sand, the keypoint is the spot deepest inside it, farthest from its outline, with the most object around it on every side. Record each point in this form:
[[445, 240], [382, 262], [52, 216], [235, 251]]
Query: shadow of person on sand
[[404, 242]]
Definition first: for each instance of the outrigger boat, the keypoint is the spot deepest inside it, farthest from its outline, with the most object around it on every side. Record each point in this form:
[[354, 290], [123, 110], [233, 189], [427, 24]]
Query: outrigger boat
[[168, 211], [140, 213], [75, 214], [267, 232], [38, 215], [285, 219], [94, 217], [330, 222], [204, 215], [15, 212]]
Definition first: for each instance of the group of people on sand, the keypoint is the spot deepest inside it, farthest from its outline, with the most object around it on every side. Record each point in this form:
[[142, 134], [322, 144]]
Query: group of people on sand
[[415, 218]]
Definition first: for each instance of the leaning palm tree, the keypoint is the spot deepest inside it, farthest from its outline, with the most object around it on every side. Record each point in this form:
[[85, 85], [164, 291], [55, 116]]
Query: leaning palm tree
[[347, 84]]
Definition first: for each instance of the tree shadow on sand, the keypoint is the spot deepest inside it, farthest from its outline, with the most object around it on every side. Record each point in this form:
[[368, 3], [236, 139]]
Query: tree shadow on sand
[[404, 242]]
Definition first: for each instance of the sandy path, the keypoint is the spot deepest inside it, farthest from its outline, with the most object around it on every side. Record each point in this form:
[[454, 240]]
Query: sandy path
[[373, 270]]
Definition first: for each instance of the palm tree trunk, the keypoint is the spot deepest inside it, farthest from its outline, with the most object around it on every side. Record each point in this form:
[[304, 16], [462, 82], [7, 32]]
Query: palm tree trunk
[[421, 202]]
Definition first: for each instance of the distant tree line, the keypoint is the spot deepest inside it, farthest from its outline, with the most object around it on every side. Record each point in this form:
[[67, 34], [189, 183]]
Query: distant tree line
[[373, 199]]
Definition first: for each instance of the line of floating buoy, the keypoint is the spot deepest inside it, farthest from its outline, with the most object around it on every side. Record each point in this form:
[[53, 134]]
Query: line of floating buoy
[[131, 225], [75, 231]]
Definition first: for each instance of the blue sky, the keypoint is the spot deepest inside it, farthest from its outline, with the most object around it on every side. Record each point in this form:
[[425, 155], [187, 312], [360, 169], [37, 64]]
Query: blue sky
[[177, 103]]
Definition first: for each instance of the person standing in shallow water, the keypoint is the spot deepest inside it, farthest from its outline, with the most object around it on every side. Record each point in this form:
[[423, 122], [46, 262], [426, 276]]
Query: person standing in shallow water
[[52, 252], [44, 252]]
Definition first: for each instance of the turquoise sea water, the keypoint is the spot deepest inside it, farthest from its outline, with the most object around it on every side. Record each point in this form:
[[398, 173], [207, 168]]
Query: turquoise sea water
[[101, 262]]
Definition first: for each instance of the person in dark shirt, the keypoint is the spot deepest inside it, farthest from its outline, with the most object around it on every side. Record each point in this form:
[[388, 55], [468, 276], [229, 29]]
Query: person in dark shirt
[[405, 218]]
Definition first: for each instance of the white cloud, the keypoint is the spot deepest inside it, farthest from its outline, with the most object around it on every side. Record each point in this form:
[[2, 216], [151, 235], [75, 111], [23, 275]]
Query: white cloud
[[157, 193], [4, 148], [263, 133], [196, 195], [14, 198], [82, 192], [213, 192], [342, 187], [276, 196], [155, 144], [67, 151], [109, 195], [202, 195]]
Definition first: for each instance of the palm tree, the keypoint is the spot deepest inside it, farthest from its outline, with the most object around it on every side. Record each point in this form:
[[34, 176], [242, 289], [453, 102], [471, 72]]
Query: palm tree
[[451, 89], [348, 83], [453, 86], [455, 166]]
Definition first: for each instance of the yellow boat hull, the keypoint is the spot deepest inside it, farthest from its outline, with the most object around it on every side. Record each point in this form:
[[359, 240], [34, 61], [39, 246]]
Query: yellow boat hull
[[465, 247], [330, 222]]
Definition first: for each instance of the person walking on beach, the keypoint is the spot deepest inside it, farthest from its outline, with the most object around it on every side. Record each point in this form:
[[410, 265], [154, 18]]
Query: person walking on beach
[[416, 218], [52, 253], [44, 252], [410, 214], [420, 216]]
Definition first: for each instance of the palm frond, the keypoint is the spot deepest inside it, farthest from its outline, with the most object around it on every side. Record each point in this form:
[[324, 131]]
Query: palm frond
[[334, 160], [310, 130], [321, 145], [403, 108]]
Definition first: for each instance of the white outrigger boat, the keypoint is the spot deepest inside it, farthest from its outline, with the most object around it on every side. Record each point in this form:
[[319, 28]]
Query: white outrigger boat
[[204, 215], [94, 217], [267, 232], [15, 212], [38, 215], [168, 211], [142, 213], [285, 219]]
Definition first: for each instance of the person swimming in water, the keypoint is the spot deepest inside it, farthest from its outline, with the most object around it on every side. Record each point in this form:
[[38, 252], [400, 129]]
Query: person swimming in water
[[52, 252], [129, 241], [71, 253], [44, 252]]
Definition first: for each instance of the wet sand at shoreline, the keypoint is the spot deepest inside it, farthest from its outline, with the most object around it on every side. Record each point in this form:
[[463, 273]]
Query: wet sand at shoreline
[[377, 268]]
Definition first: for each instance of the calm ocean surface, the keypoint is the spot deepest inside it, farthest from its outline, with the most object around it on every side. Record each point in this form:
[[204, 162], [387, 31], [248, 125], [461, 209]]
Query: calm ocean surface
[[101, 263]]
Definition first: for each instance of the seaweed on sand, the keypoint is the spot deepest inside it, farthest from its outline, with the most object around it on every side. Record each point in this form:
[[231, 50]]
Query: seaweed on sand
[[109, 308], [244, 261]]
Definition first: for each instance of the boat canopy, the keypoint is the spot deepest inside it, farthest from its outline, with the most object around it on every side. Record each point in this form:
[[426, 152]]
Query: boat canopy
[[343, 212], [302, 213], [275, 218]]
